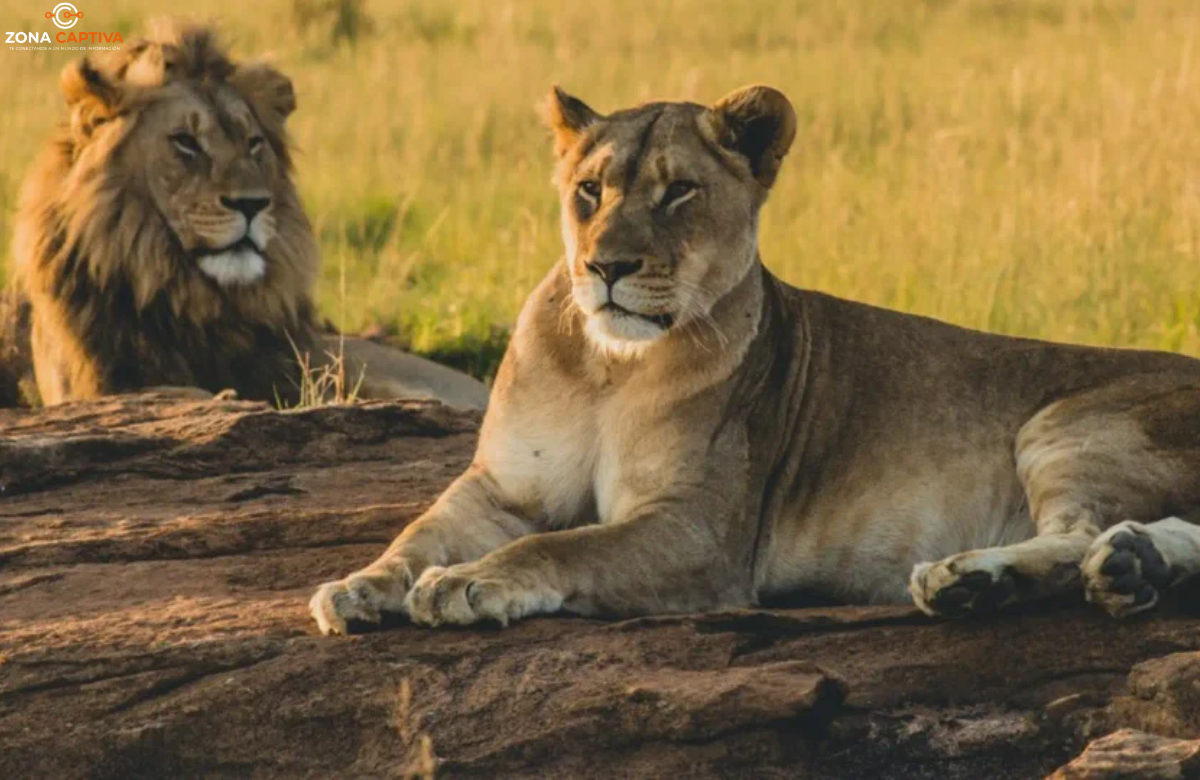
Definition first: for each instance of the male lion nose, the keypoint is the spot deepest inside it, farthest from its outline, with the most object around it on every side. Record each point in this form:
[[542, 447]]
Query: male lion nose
[[248, 206], [610, 272]]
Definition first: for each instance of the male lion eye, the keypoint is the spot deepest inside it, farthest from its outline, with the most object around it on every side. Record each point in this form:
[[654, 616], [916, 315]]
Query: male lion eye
[[256, 144], [186, 143], [678, 191], [589, 189]]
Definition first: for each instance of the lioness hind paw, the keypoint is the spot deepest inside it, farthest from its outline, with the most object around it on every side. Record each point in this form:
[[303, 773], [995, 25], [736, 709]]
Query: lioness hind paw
[[1124, 572], [953, 588]]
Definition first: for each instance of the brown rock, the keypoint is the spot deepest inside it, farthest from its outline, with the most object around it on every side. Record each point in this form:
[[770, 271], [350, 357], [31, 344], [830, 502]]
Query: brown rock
[[156, 557], [1163, 697], [1134, 754], [389, 373]]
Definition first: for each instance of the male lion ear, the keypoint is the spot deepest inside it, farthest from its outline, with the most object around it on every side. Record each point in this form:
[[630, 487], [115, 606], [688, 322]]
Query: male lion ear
[[90, 94], [266, 89], [567, 117], [759, 124]]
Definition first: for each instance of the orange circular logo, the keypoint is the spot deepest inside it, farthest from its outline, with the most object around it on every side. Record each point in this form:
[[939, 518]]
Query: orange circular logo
[[64, 16]]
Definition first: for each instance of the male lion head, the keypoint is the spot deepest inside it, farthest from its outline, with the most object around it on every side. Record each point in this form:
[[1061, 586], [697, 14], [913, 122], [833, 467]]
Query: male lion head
[[160, 237], [198, 140], [660, 206]]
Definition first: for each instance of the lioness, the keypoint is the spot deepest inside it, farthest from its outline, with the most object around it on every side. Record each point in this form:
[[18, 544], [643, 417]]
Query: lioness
[[675, 429]]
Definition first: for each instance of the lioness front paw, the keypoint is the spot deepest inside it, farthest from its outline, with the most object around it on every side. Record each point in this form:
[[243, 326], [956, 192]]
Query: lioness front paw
[[356, 604], [469, 593], [340, 606], [961, 585], [1124, 571]]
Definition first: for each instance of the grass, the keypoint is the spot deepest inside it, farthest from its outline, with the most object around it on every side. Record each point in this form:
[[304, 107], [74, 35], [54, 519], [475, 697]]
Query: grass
[[324, 380], [1025, 166]]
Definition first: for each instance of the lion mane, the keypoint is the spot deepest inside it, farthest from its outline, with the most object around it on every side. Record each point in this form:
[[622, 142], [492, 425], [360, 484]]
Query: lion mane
[[118, 299]]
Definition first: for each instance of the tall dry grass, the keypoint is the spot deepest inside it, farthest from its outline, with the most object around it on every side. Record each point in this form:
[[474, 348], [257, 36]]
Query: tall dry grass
[[1024, 166]]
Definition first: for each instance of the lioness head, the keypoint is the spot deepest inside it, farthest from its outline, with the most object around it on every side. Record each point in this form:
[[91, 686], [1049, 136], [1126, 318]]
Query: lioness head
[[660, 206], [174, 124]]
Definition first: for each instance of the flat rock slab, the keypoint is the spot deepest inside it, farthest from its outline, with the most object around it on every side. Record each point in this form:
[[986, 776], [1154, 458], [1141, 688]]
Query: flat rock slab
[[1135, 755], [156, 557]]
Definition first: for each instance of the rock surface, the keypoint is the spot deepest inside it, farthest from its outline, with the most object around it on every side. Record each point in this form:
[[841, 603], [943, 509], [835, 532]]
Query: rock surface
[[389, 374], [156, 557], [1134, 755]]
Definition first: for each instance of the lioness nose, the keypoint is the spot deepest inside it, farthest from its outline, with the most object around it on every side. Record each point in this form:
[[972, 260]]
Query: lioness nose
[[248, 206], [610, 272]]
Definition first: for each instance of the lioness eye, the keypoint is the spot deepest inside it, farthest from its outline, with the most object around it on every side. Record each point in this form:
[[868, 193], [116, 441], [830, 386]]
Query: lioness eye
[[589, 189], [677, 191], [256, 144], [186, 143]]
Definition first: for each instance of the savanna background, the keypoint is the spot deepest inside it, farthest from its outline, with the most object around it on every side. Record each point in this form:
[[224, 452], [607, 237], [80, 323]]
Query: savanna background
[[1025, 166]]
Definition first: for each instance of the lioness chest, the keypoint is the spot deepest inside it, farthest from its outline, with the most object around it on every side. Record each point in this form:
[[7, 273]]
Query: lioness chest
[[573, 439], [576, 458]]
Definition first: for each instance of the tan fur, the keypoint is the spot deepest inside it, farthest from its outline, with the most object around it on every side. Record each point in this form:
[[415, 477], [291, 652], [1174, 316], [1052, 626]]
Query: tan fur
[[674, 429], [119, 221]]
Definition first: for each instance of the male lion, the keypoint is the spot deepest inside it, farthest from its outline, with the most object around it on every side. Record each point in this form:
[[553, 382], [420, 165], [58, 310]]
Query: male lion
[[675, 429], [160, 240]]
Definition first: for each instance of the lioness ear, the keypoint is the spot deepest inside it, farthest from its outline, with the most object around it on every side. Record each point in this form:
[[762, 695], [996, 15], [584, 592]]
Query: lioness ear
[[267, 89], [90, 95], [759, 124], [567, 117]]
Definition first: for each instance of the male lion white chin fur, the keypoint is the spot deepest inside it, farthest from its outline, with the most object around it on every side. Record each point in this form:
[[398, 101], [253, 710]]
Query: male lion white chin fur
[[621, 335], [235, 267]]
